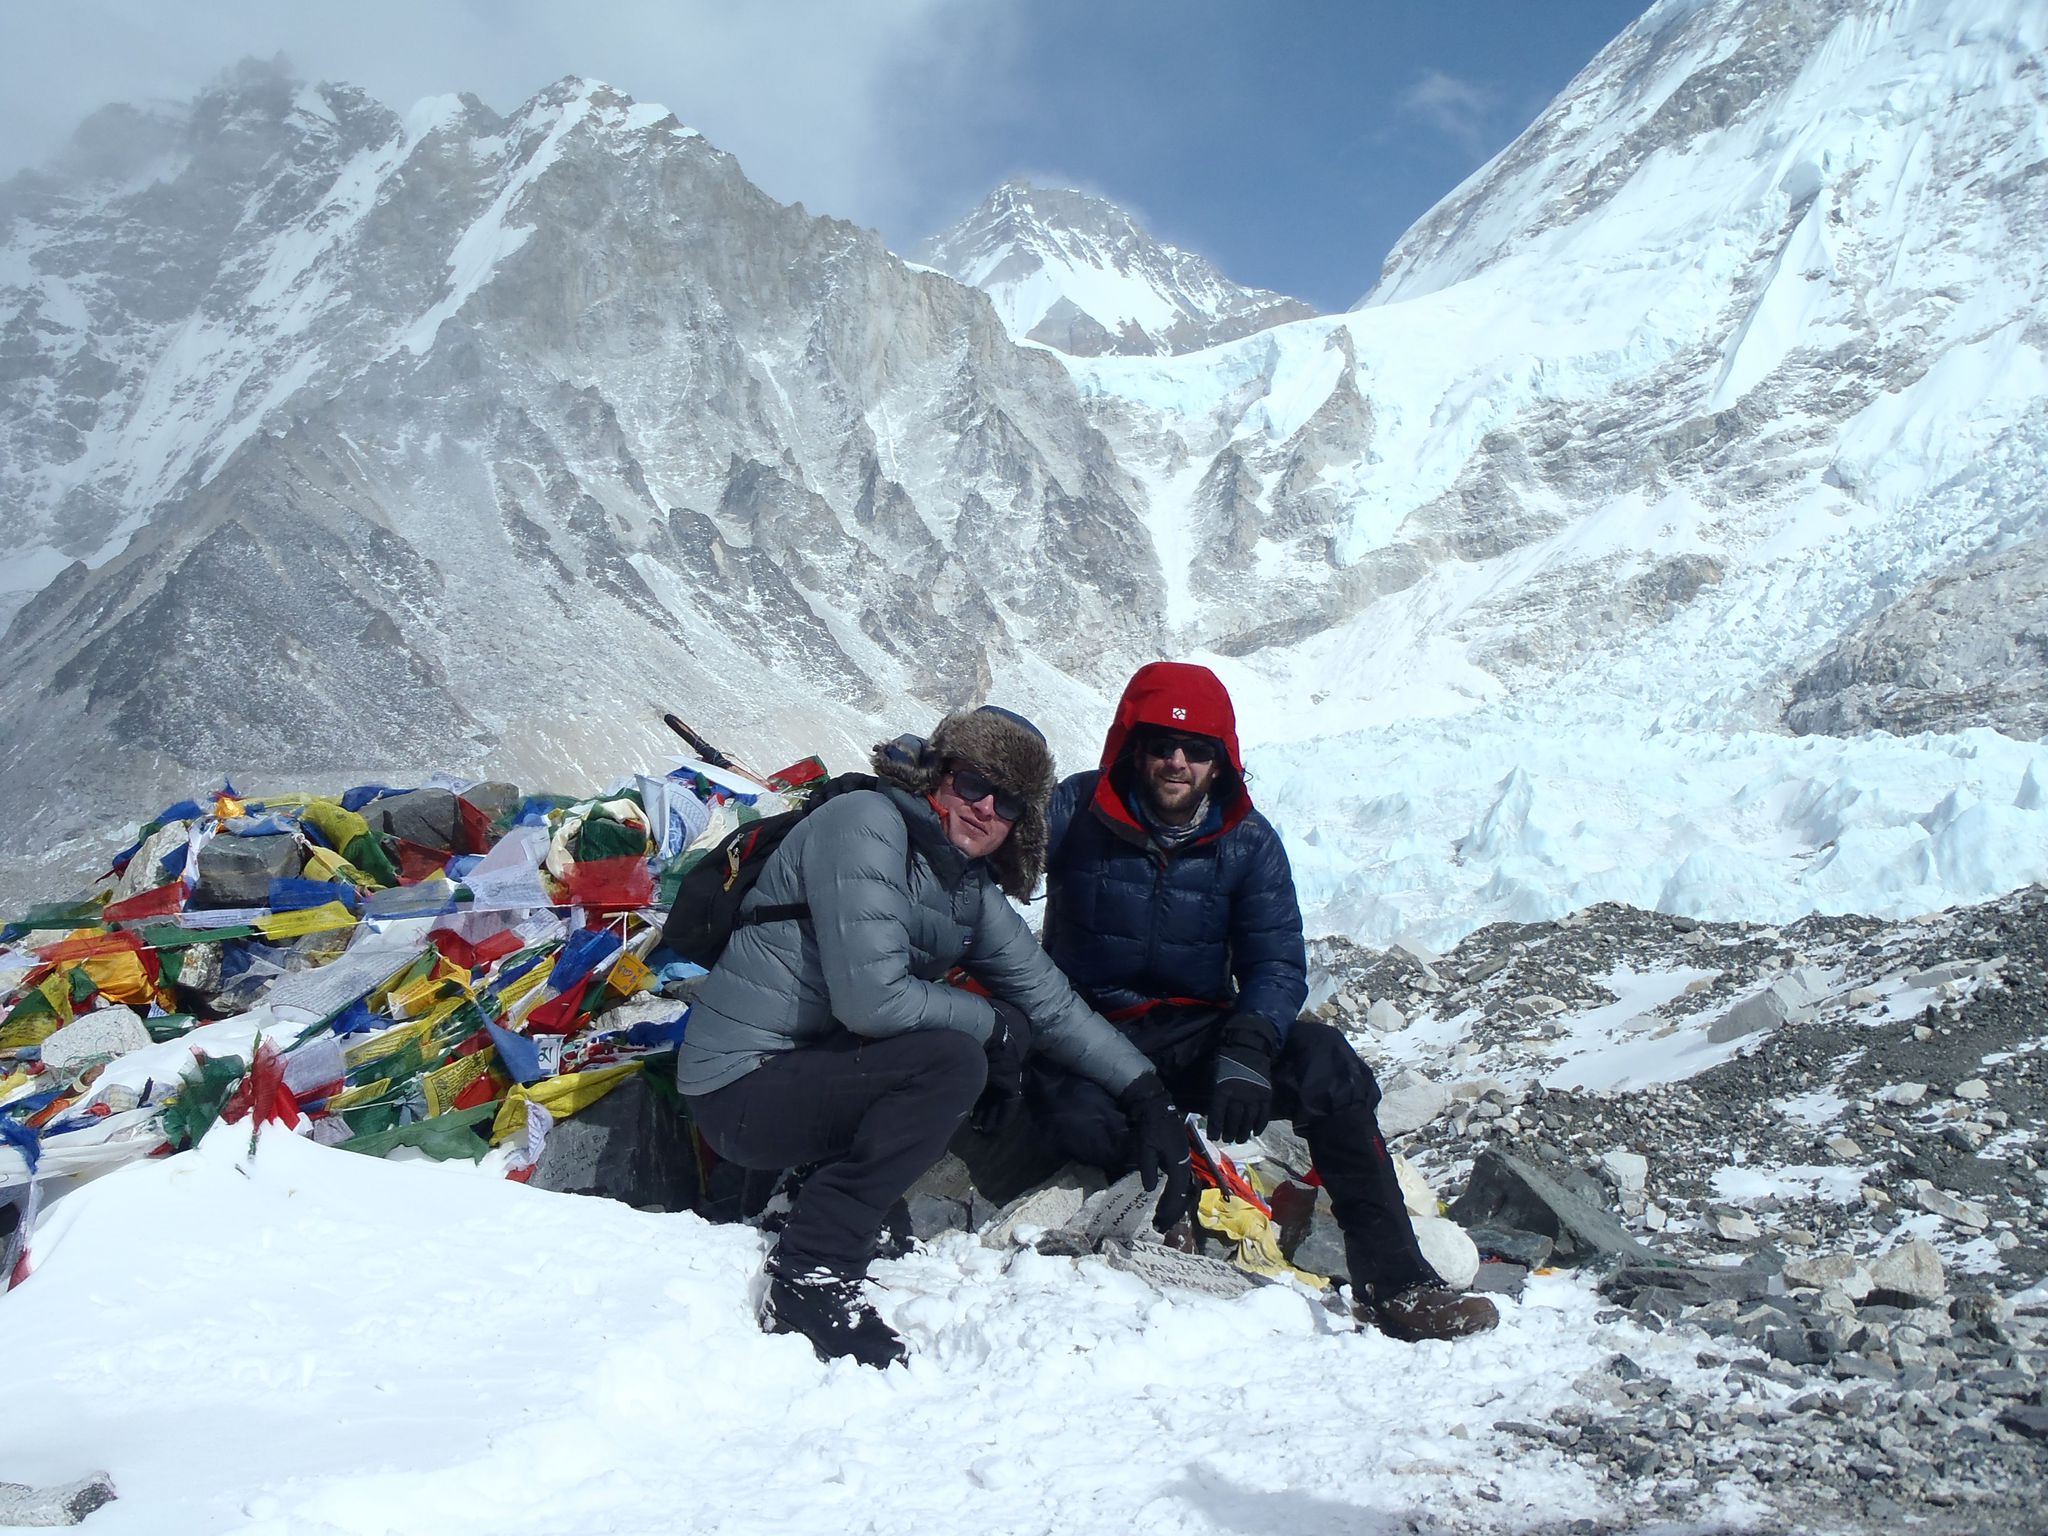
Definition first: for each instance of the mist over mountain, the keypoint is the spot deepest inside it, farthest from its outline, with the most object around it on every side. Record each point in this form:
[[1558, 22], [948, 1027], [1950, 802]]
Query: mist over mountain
[[337, 442]]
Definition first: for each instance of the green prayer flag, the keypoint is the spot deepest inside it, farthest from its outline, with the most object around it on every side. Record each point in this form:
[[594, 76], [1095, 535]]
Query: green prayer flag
[[367, 853], [455, 1134], [202, 1093], [171, 936]]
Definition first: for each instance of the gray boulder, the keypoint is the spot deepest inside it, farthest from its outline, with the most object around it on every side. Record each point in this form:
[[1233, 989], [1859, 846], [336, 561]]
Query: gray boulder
[[13, 1225], [1909, 1276], [495, 800], [1841, 1272], [55, 1504], [1507, 1191], [237, 871], [1530, 1250], [428, 817], [1752, 1015], [632, 1146], [1411, 1103], [945, 1200], [1672, 1288]]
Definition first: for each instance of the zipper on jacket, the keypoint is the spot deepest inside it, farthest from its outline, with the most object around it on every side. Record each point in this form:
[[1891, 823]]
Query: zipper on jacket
[[1159, 893]]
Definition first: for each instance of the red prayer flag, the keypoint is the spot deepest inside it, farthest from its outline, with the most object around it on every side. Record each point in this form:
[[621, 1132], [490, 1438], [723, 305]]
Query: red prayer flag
[[262, 1093], [89, 946], [417, 863], [497, 947], [159, 902], [558, 1015], [476, 827], [482, 1091], [798, 774], [611, 884], [475, 956]]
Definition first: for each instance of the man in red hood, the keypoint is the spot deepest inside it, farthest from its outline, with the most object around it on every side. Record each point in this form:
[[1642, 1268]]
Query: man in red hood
[[1172, 910]]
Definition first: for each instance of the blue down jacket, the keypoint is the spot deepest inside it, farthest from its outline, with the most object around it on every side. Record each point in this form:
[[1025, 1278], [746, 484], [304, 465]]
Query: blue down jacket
[[1133, 924]]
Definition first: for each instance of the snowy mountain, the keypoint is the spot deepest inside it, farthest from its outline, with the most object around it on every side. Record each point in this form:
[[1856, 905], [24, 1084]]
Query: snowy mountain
[[343, 441], [1719, 393], [337, 443], [1077, 273]]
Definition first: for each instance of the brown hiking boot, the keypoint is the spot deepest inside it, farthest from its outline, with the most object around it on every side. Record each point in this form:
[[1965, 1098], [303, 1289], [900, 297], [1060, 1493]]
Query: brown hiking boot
[[1428, 1312]]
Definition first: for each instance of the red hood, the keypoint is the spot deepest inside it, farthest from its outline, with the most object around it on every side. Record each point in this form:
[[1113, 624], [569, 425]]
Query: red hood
[[1178, 696]]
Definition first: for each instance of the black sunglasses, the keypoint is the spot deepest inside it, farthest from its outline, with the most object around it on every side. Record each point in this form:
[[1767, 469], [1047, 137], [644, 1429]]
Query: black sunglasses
[[1196, 749], [971, 784]]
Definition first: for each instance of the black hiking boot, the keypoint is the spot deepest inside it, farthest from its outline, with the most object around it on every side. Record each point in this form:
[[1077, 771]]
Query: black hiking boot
[[1427, 1312], [826, 1307], [896, 1239]]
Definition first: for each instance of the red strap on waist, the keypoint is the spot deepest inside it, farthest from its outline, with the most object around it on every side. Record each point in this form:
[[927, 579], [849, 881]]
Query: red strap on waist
[[1139, 1010]]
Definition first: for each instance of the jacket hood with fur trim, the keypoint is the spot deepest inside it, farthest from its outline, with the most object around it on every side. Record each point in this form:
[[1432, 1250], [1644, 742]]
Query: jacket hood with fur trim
[[1008, 750]]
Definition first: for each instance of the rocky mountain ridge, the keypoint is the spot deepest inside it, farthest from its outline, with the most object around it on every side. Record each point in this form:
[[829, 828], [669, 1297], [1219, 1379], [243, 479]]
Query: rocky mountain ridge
[[571, 359]]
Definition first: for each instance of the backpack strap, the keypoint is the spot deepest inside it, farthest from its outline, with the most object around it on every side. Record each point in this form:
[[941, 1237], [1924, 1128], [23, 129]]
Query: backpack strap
[[800, 912], [778, 912]]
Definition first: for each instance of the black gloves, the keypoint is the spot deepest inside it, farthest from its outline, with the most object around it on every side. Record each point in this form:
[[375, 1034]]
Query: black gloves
[[1242, 1101], [1009, 1042], [1159, 1138]]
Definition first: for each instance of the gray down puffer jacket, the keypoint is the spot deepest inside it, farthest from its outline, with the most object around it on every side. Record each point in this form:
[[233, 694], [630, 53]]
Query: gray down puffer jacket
[[894, 907]]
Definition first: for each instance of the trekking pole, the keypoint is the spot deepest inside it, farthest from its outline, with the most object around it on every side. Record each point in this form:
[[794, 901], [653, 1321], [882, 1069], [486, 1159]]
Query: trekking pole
[[708, 753]]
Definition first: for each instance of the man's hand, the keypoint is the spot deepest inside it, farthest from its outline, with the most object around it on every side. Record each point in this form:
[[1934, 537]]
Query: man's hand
[[1009, 1042], [1160, 1139], [1242, 1101]]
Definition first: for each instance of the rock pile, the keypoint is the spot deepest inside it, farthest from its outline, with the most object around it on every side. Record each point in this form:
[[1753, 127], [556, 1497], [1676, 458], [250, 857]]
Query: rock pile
[[1840, 1193]]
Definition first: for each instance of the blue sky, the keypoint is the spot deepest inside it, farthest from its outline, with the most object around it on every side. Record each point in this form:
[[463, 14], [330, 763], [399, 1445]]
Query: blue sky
[[1290, 142]]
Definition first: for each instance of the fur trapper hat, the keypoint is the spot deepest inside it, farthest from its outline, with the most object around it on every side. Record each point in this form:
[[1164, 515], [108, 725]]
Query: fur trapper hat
[[1006, 747]]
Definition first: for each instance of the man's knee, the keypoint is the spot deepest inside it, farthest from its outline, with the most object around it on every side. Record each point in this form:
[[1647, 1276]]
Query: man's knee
[[949, 1064], [1319, 1074]]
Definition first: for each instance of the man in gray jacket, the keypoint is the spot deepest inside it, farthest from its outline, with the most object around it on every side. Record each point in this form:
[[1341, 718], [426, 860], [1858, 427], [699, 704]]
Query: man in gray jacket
[[835, 1039]]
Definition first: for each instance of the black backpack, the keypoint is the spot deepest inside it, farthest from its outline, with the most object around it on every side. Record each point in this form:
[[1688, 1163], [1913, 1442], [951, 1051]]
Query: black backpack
[[707, 905]]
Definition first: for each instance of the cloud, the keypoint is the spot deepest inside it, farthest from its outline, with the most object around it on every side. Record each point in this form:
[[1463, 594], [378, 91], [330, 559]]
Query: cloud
[[819, 99], [1458, 109]]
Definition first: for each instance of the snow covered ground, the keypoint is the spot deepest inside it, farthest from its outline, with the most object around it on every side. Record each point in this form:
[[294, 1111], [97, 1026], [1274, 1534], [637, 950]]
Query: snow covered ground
[[294, 1339]]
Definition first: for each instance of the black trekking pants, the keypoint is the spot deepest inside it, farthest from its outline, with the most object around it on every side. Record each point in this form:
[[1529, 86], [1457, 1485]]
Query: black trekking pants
[[1318, 1083], [873, 1115]]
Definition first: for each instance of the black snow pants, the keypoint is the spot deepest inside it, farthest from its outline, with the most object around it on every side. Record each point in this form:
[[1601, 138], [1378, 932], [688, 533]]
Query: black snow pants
[[1318, 1083], [872, 1115]]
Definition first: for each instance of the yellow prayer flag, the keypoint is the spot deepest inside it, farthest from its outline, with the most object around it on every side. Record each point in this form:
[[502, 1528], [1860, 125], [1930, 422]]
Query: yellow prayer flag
[[326, 817], [56, 990], [326, 864], [559, 1096], [350, 1098], [120, 977], [33, 1030], [1257, 1240], [521, 997], [380, 1045], [324, 918], [432, 995], [629, 977], [446, 1083], [415, 970]]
